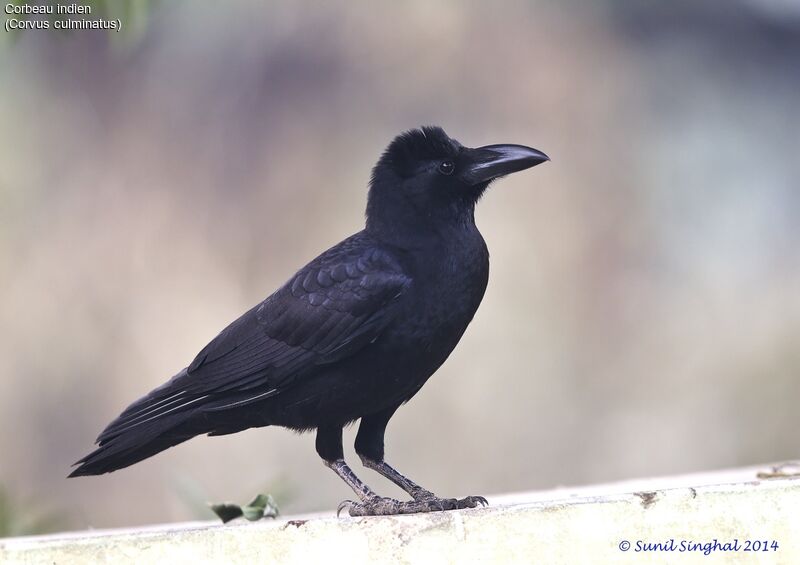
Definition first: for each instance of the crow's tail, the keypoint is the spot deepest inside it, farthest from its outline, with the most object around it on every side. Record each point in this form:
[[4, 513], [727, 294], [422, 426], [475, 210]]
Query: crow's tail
[[153, 423], [126, 450]]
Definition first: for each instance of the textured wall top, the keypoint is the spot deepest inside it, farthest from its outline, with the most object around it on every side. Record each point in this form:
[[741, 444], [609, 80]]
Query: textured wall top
[[723, 514]]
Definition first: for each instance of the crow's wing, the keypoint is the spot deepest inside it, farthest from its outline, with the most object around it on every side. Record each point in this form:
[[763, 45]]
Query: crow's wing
[[325, 312], [330, 309]]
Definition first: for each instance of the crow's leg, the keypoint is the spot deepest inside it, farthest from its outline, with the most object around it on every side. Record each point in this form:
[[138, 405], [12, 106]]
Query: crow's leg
[[369, 446], [329, 447]]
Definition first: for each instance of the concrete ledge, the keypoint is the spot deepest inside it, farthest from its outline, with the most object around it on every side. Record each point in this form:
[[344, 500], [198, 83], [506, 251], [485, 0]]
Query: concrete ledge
[[586, 525]]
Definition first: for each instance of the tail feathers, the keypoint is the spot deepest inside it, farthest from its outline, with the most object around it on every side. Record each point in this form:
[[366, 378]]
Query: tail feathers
[[128, 448], [152, 424], [165, 417], [170, 398]]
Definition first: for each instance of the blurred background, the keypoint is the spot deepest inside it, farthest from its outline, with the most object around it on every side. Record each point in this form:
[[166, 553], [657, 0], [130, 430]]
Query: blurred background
[[642, 316]]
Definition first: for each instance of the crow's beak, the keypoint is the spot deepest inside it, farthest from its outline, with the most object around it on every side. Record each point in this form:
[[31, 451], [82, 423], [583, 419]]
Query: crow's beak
[[494, 161]]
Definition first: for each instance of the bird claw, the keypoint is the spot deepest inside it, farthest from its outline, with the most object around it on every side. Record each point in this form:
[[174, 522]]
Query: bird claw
[[472, 502], [380, 506], [344, 504]]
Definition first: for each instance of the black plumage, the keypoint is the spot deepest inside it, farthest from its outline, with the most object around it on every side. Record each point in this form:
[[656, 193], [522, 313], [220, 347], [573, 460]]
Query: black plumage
[[352, 335]]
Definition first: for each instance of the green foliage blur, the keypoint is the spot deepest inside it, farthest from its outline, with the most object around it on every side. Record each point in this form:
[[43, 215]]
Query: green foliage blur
[[24, 518]]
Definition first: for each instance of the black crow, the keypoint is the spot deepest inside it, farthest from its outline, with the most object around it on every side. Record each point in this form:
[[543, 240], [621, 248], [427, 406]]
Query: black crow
[[352, 335]]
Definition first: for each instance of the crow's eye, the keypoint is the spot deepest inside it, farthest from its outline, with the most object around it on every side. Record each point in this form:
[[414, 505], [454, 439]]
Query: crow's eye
[[447, 167]]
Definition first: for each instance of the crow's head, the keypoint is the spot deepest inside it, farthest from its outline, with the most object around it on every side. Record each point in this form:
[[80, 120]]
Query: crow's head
[[425, 179]]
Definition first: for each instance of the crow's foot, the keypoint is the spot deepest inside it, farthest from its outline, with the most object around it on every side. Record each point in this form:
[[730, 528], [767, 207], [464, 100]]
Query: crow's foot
[[380, 506]]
